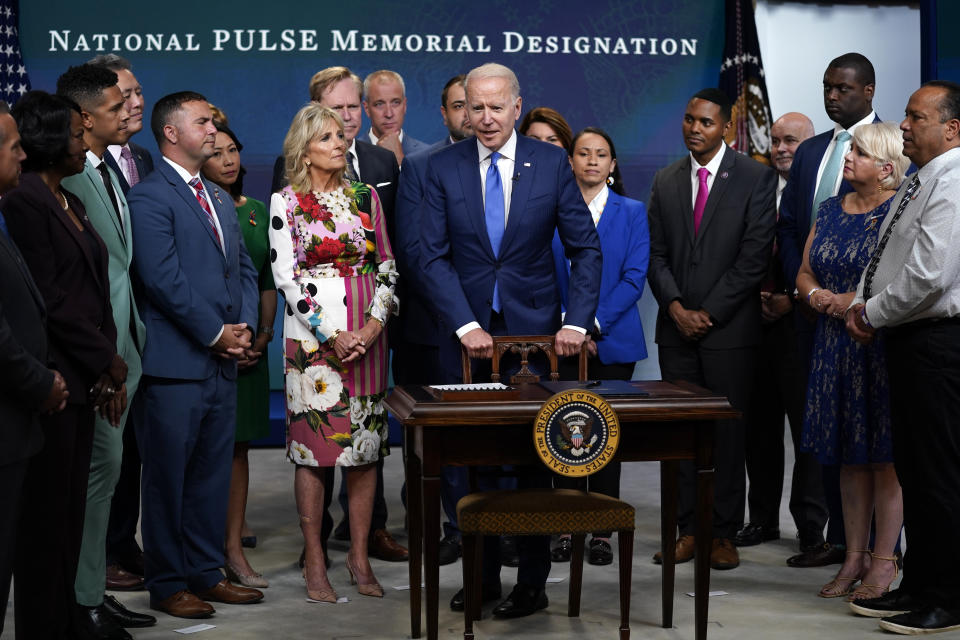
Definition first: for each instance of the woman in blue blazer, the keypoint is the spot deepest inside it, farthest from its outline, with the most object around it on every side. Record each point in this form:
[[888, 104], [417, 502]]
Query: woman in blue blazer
[[625, 243]]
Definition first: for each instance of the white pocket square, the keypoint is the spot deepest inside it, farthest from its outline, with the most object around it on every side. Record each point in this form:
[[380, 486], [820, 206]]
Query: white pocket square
[[383, 184]]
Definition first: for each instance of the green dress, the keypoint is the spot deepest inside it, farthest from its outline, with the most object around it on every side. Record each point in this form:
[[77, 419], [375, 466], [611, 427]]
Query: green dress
[[253, 385]]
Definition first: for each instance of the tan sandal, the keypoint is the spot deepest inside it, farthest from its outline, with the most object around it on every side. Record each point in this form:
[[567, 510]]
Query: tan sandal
[[841, 585], [865, 591]]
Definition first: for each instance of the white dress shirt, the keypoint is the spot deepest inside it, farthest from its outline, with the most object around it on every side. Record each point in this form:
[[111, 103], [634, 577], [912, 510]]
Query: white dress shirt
[[712, 167], [846, 147], [598, 203], [781, 185], [918, 276]]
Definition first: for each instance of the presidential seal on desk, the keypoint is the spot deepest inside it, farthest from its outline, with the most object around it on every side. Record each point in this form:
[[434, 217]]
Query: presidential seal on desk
[[576, 433]]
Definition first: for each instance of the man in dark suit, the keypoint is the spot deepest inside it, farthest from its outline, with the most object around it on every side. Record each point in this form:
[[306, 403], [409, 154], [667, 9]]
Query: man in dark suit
[[199, 307], [29, 387], [780, 387], [385, 101], [490, 209], [817, 174], [130, 164], [712, 217], [340, 89], [416, 351]]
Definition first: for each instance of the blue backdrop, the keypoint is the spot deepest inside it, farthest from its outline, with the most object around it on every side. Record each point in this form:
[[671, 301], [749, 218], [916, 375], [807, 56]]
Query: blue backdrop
[[626, 67]]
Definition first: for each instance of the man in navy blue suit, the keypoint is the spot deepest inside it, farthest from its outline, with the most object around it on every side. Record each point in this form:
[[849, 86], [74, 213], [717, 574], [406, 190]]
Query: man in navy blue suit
[[416, 351], [491, 206], [848, 86], [385, 101], [199, 307]]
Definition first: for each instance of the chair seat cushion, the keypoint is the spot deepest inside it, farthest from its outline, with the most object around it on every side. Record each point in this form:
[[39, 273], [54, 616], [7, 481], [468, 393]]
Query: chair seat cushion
[[542, 511]]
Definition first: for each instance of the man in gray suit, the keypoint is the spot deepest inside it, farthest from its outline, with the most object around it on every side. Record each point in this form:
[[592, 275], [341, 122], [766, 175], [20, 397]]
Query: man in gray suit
[[385, 101], [712, 216], [29, 387]]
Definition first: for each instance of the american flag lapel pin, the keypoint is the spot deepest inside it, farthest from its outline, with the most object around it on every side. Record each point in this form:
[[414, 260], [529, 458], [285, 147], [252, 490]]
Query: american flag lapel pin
[[724, 175], [216, 194], [526, 164]]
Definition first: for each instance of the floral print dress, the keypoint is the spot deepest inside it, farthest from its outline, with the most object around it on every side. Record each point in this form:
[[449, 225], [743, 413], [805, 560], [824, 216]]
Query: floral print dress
[[333, 263]]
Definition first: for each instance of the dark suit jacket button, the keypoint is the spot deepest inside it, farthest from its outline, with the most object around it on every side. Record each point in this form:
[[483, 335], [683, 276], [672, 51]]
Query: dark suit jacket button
[[229, 307], [227, 275], [496, 265]]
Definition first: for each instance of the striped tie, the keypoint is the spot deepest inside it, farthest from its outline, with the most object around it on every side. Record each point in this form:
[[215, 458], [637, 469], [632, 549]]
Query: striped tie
[[878, 251], [133, 176], [202, 200]]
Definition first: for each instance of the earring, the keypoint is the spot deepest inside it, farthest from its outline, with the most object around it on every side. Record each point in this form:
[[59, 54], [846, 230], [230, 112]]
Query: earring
[[308, 163], [880, 187], [610, 180]]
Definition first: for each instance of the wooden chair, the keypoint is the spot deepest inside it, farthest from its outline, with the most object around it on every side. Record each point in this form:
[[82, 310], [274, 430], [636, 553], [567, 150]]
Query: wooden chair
[[540, 511]]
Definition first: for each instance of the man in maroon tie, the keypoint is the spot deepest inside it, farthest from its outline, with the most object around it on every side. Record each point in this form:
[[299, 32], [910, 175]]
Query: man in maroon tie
[[712, 216]]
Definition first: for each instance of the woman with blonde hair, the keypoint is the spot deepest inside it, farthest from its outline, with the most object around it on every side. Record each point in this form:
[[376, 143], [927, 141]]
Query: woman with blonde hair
[[333, 262], [847, 416]]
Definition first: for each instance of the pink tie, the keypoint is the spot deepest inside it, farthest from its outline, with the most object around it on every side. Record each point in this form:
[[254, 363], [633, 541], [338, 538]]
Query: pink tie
[[701, 203]]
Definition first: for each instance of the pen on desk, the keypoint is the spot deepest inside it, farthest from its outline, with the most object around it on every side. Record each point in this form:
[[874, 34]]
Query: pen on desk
[[592, 383]]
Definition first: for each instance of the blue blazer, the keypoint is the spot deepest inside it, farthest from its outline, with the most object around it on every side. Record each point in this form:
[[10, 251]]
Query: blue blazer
[[458, 263], [419, 319], [796, 203], [191, 289], [411, 145], [625, 243]]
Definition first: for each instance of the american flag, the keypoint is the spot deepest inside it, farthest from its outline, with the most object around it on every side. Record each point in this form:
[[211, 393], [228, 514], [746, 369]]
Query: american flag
[[742, 79], [13, 75]]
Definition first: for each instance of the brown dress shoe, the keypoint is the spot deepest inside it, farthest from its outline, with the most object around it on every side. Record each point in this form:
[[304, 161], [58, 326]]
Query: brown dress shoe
[[229, 593], [383, 547], [183, 604], [723, 555], [120, 580], [686, 546]]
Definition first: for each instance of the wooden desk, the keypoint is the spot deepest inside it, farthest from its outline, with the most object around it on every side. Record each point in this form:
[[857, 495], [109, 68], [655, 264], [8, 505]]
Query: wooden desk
[[675, 422]]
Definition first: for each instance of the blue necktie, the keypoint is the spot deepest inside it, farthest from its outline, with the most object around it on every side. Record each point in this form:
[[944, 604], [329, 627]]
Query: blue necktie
[[493, 214], [828, 180], [3, 226]]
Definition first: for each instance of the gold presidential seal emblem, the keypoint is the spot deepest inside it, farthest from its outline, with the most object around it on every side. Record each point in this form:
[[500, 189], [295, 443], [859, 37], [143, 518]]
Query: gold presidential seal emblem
[[576, 433]]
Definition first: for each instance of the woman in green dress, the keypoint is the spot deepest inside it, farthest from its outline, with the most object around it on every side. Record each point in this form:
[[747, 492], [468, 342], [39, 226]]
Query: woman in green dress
[[253, 382]]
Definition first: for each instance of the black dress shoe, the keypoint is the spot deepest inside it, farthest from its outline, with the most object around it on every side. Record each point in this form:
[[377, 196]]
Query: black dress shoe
[[96, 623], [753, 534], [819, 557], [509, 556], [600, 552], [522, 601], [892, 603], [449, 550], [927, 620], [124, 617], [488, 594], [563, 550]]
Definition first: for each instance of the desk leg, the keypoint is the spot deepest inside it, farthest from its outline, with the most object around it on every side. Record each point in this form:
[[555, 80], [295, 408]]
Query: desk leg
[[415, 524], [431, 550], [704, 543], [668, 532]]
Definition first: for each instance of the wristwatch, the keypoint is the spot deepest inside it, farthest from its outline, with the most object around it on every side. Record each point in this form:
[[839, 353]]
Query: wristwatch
[[266, 329]]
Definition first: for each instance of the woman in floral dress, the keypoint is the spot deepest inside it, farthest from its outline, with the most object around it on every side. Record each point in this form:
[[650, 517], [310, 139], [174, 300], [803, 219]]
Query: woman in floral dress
[[333, 263]]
